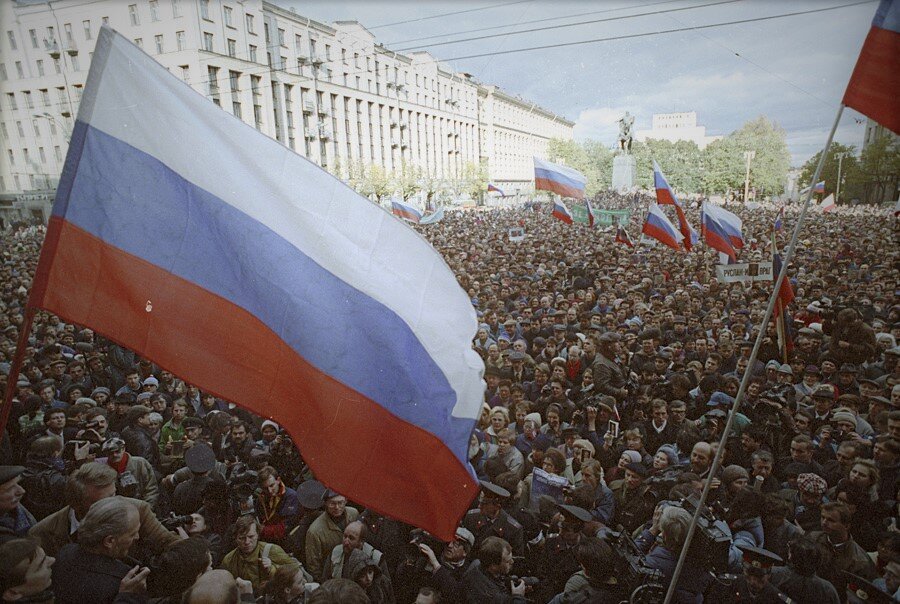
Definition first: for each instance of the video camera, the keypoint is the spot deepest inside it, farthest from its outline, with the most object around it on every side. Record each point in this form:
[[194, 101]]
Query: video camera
[[173, 521], [643, 583], [712, 539], [242, 489]]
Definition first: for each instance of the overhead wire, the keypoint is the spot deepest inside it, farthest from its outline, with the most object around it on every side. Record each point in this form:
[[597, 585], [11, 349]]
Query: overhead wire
[[450, 14]]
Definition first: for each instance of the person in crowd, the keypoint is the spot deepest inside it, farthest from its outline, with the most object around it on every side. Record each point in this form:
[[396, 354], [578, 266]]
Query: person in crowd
[[487, 579], [251, 559], [327, 532]]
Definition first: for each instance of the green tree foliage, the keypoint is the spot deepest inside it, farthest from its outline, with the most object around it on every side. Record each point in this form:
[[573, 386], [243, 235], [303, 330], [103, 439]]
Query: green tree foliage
[[591, 158], [723, 166], [849, 170], [878, 173], [768, 170], [406, 181]]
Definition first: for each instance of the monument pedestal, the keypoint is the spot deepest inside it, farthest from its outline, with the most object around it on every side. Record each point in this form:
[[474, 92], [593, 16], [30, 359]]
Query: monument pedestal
[[624, 172]]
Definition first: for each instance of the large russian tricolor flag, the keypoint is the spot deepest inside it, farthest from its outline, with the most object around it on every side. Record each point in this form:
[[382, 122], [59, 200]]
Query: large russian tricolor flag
[[666, 196], [562, 180], [874, 87], [405, 211], [183, 233], [658, 226]]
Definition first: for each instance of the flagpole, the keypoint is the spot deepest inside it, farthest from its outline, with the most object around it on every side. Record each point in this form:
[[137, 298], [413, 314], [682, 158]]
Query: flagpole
[[745, 379], [16, 366]]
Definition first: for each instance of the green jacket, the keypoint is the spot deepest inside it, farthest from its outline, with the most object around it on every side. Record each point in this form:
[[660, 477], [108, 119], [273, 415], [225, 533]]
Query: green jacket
[[250, 568]]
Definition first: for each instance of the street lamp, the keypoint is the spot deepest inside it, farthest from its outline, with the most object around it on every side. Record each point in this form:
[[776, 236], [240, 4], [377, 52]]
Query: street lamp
[[748, 155], [840, 155]]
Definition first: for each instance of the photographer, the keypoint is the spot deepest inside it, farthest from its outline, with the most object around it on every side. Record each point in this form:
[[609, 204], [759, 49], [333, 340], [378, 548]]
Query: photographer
[[443, 573], [596, 581], [135, 474], [487, 578], [661, 545]]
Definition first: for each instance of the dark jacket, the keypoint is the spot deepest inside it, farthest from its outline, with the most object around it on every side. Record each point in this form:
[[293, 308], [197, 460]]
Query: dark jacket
[[44, 487], [139, 443], [80, 576], [482, 588]]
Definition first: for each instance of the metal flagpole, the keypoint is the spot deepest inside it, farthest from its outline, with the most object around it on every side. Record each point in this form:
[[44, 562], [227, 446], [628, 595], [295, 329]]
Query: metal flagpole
[[745, 379]]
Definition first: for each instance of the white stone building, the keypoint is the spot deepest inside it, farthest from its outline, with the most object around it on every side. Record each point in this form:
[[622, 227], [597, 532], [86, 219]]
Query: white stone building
[[676, 127], [330, 92]]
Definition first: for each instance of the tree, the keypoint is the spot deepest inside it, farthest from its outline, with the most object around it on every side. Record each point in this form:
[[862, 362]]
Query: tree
[[878, 172], [472, 180], [849, 169], [722, 166], [406, 182], [376, 183], [770, 165], [591, 158]]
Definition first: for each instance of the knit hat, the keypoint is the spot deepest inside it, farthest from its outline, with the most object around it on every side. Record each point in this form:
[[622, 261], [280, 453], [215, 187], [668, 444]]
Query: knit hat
[[812, 484], [844, 416], [732, 473], [633, 456], [584, 444], [670, 452], [535, 418], [269, 422]]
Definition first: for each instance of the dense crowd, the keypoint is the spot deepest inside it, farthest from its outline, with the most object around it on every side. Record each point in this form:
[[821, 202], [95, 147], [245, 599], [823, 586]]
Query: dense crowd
[[610, 373]]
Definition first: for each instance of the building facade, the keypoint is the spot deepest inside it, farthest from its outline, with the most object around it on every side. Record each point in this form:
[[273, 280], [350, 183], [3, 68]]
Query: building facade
[[676, 127], [331, 92]]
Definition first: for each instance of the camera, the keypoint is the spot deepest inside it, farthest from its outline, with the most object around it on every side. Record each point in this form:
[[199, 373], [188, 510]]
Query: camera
[[242, 489], [174, 521], [529, 581], [712, 539], [127, 485], [643, 583]]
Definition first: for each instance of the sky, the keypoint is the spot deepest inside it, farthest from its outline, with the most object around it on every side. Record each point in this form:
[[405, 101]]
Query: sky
[[792, 69]]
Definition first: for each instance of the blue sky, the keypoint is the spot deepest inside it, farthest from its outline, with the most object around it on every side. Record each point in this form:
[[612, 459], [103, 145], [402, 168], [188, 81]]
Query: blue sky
[[793, 70]]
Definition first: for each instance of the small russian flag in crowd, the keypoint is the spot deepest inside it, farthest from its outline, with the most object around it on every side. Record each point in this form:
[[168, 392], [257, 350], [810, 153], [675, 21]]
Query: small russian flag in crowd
[[714, 233], [590, 212], [496, 189], [730, 223], [658, 227], [779, 219], [874, 86], [562, 212], [405, 211], [622, 237], [819, 188], [666, 196], [828, 204], [261, 259], [562, 180]]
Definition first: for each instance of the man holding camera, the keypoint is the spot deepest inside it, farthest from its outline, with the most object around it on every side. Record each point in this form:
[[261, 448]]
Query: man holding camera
[[444, 573], [135, 474], [487, 579]]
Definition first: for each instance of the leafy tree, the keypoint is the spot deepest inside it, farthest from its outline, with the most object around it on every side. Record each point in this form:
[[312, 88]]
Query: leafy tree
[[472, 180], [878, 173], [849, 167], [376, 182], [406, 181], [723, 167], [769, 167]]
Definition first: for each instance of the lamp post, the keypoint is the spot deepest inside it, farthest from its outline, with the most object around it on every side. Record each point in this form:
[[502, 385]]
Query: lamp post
[[748, 155], [840, 155]]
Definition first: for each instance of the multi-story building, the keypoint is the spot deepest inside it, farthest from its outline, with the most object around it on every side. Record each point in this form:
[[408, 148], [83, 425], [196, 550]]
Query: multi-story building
[[330, 92], [676, 127], [513, 132]]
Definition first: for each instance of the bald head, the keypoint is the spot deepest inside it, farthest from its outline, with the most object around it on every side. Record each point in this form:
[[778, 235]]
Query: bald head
[[213, 587], [701, 457]]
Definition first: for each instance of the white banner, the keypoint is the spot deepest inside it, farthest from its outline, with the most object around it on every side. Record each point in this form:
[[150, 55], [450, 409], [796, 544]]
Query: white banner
[[748, 271]]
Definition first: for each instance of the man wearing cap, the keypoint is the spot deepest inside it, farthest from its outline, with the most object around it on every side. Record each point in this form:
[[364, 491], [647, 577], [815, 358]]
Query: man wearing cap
[[327, 531], [805, 502], [137, 436], [136, 478], [490, 519], [753, 585], [610, 376], [823, 398], [558, 561], [809, 383], [634, 501], [189, 482], [15, 520]]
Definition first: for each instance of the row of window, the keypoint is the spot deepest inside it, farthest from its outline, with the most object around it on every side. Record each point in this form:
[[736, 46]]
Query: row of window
[[44, 93]]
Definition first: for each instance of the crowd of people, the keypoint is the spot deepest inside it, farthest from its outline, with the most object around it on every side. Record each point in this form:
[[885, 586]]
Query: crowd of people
[[610, 376]]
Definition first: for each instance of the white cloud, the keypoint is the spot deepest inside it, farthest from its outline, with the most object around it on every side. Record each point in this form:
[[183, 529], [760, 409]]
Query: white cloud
[[600, 123]]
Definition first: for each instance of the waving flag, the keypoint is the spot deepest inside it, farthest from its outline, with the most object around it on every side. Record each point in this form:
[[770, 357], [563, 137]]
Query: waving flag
[[730, 223], [562, 180], [779, 219], [434, 217], [783, 324], [828, 204], [590, 213], [659, 227], [666, 196], [715, 235], [184, 234], [562, 212], [622, 237], [495, 188], [405, 211], [874, 87], [819, 188]]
